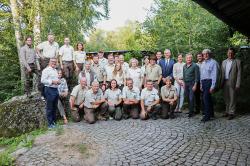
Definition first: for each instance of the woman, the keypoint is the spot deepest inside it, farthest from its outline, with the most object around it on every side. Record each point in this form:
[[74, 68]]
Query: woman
[[144, 66], [179, 83], [113, 97], [63, 93], [169, 99], [79, 58], [135, 73], [119, 75]]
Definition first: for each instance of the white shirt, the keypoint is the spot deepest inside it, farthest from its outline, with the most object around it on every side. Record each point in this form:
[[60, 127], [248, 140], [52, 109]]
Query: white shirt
[[125, 67], [103, 62], [149, 96], [178, 70], [109, 71], [66, 52], [137, 75], [79, 56], [49, 50], [49, 74], [119, 78], [228, 68], [133, 93]]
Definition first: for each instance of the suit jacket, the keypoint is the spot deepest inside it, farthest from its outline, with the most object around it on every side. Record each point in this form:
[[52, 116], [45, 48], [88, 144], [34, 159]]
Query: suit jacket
[[234, 74], [167, 70]]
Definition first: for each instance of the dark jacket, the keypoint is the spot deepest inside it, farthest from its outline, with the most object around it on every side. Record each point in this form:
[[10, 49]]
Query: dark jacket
[[167, 70]]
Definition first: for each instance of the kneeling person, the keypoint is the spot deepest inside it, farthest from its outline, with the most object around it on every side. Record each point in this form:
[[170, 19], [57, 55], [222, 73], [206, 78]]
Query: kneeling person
[[169, 99], [149, 101], [131, 98], [113, 97], [77, 100], [94, 103]]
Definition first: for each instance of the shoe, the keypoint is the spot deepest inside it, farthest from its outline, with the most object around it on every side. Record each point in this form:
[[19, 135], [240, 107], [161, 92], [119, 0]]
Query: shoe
[[204, 120], [154, 117], [172, 116], [230, 117], [196, 112], [190, 115], [52, 126], [225, 115]]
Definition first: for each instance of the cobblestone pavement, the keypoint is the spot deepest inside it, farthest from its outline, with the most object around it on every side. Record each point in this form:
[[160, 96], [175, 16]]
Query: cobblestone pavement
[[179, 141]]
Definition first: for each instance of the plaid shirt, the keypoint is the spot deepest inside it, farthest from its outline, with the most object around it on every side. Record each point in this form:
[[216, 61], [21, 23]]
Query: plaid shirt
[[63, 87]]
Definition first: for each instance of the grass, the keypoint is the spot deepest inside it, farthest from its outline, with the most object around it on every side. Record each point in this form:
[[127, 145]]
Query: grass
[[82, 148], [11, 144]]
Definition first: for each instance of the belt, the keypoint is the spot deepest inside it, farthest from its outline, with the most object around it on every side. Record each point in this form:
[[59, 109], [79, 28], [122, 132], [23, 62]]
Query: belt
[[50, 87], [67, 61], [155, 81], [31, 63]]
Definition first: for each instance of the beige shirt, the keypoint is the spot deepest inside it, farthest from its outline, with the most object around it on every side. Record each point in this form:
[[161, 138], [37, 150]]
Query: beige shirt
[[99, 71], [66, 52], [168, 93], [149, 96], [49, 50], [137, 76], [153, 72], [28, 56], [79, 93], [103, 62], [92, 97], [134, 93], [125, 67], [119, 78], [113, 95], [79, 56], [109, 71]]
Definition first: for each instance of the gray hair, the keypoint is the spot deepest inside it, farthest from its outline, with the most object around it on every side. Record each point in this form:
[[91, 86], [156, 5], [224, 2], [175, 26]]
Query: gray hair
[[189, 54], [121, 56], [207, 51], [95, 82], [169, 78], [167, 50], [133, 59]]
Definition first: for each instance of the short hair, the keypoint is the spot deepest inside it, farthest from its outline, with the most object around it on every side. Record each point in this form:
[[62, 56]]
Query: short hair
[[121, 56], [129, 79], [133, 59], [109, 55], [87, 63], [28, 37], [169, 78], [95, 82], [207, 51], [52, 34], [152, 57], [180, 54], [232, 49], [101, 51], [189, 54], [167, 50], [50, 59], [149, 81], [83, 78]]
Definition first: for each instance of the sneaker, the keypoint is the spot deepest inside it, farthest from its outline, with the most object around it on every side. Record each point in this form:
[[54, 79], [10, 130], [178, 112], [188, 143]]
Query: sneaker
[[230, 117]]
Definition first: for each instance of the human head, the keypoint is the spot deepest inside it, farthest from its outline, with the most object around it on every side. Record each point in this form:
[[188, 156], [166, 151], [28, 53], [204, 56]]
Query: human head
[[83, 82], [113, 84], [149, 84], [231, 53], [28, 40], [110, 59], [158, 55], [180, 58], [52, 62], [95, 59], [206, 54], [168, 81], [87, 65], [146, 60], [121, 59], [189, 58], [129, 82], [101, 54], [167, 53], [60, 73], [133, 62], [79, 47], [118, 66], [51, 37], [66, 41], [116, 57], [199, 57], [152, 60], [95, 86]]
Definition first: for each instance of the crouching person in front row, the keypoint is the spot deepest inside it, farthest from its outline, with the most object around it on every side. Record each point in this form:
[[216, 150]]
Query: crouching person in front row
[[150, 100], [113, 97], [94, 104], [77, 98], [131, 98], [169, 99]]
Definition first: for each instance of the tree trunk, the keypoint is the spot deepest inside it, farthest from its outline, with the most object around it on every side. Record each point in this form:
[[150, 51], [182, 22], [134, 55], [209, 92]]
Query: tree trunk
[[18, 35]]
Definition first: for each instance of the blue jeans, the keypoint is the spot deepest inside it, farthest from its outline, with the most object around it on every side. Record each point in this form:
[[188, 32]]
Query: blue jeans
[[207, 99], [190, 95], [51, 96]]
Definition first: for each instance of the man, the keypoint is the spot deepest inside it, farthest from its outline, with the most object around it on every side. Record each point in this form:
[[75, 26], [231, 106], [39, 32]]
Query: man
[[230, 81], [158, 56], [98, 69], [150, 100], [28, 57], [88, 73], [167, 65], [131, 98], [124, 65], [95, 103], [208, 77], [66, 60], [153, 72], [77, 100], [108, 70], [190, 78], [197, 93], [51, 82], [102, 60], [46, 50]]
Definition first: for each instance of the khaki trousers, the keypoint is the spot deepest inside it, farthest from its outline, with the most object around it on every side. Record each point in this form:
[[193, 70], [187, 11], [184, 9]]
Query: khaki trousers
[[29, 78], [229, 98]]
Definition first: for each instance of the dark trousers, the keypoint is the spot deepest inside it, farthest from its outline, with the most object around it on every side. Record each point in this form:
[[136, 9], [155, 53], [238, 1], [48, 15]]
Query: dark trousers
[[51, 97], [198, 99], [68, 70], [167, 110], [152, 113], [130, 111], [77, 115], [190, 95], [207, 99]]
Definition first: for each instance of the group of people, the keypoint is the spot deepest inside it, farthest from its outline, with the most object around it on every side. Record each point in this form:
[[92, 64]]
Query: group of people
[[114, 89]]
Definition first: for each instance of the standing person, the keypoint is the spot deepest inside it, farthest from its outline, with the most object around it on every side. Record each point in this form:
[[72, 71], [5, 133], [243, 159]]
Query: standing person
[[63, 93], [153, 72], [108, 70], [97, 69], [113, 97], [169, 99], [131, 99], [208, 74], [230, 82], [46, 50], [158, 57], [191, 78], [94, 103], [135, 73], [51, 82], [28, 57], [197, 93], [150, 100], [66, 61], [79, 57], [124, 64], [88, 74], [76, 100], [119, 75], [116, 58], [143, 69], [179, 83], [167, 65], [102, 60]]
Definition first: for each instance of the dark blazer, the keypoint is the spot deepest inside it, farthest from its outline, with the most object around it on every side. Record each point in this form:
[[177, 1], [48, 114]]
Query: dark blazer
[[167, 70]]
